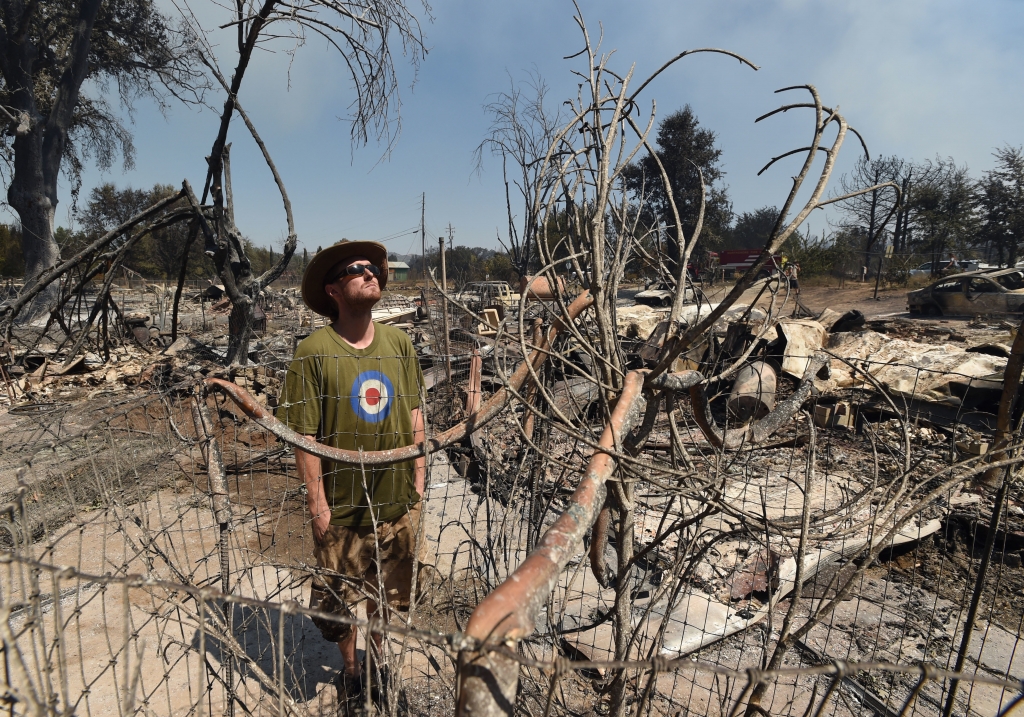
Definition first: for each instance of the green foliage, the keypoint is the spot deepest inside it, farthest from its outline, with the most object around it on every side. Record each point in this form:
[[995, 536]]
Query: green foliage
[[1001, 205], [751, 229], [500, 268], [687, 151], [12, 263], [465, 264], [261, 258], [816, 255], [156, 256], [944, 213]]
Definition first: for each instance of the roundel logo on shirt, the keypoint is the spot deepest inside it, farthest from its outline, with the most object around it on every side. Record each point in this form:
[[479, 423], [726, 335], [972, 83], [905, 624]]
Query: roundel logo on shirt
[[372, 396]]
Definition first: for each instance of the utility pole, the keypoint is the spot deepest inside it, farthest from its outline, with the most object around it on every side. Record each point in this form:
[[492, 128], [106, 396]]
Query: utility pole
[[423, 244], [444, 312]]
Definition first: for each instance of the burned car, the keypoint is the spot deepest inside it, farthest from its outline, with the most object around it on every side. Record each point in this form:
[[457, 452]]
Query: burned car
[[976, 292], [661, 293], [479, 294]]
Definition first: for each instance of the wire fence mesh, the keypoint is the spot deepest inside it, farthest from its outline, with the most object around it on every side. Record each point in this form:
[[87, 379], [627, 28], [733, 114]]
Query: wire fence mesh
[[128, 589]]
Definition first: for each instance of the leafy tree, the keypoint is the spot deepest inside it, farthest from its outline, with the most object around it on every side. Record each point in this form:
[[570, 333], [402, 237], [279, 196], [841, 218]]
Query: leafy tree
[[47, 53], [501, 268], [943, 211], [156, 256], [847, 252], [464, 264], [817, 256], [751, 229], [686, 151], [1001, 205], [262, 258]]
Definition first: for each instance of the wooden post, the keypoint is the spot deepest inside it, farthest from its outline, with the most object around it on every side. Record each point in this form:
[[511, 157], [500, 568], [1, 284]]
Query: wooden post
[[444, 313]]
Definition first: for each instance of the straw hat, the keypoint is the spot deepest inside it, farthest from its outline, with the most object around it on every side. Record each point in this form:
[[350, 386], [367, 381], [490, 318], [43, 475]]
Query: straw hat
[[323, 261]]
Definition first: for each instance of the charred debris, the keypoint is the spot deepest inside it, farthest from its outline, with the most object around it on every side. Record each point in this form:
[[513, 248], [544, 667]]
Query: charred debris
[[726, 473]]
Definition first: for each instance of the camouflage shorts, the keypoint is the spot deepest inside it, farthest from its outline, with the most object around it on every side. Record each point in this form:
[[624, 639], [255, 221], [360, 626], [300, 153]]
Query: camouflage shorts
[[352, 555]]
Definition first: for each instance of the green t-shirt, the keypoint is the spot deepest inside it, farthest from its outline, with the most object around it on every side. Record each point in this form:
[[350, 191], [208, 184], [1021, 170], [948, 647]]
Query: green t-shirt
[[357, 398]]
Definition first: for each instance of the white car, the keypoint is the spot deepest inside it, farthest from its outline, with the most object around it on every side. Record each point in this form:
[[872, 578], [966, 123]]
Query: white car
[[965, 265], [661, 293]]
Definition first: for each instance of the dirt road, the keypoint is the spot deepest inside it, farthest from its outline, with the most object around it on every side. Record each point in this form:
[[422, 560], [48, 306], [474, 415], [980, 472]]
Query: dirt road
[[854, 295]]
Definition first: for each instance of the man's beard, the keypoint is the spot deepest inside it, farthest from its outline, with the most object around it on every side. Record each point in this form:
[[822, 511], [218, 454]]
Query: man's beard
[[362, 302]]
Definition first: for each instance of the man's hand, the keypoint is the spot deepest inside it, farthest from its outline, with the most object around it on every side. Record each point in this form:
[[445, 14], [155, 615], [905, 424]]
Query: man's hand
[[308, 467], [321, 524]]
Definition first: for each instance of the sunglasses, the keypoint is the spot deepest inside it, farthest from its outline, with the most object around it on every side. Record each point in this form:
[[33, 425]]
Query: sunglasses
[[356, 270]]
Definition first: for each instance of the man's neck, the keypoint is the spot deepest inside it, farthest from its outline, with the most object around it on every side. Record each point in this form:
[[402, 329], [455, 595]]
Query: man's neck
[[356, 329]]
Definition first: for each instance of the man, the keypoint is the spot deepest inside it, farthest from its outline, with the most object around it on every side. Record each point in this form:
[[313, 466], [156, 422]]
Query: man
[[356, 385], [792, 273]]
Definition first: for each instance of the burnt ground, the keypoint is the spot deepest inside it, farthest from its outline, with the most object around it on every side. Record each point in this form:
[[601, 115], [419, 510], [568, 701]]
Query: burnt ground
[[853, 295], [945, 563]]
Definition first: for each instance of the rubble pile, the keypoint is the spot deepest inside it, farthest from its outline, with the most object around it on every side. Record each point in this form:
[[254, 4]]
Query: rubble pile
[[715, 526]]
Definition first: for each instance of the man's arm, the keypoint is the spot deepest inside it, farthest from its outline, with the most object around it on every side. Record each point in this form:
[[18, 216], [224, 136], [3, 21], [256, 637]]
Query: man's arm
[[419, 435], [309, 470]]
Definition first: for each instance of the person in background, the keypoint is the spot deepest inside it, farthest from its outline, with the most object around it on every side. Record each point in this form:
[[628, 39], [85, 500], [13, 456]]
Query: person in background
[[792, 272]]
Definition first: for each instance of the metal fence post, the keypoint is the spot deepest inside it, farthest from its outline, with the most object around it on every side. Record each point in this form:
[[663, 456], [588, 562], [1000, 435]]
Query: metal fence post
[[221, 503]]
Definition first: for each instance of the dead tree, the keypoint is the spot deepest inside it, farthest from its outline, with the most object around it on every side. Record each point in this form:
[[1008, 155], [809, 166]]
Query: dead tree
[[871, 212], [362, 32], [47, 53], [68, 280], [585, 217], [522, 128]]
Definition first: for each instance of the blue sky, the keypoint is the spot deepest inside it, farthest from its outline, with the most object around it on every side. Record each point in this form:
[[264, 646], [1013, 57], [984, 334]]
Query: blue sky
[[918, 78]]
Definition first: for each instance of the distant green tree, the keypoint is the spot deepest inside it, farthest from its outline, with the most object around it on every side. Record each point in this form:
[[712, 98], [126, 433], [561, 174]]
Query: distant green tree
[[687, 151], [158, 255], [751, 229], [262, 258], [12, 261], [944, 217], [464, 264], [1000, 200], [817, 256], [501, 268]]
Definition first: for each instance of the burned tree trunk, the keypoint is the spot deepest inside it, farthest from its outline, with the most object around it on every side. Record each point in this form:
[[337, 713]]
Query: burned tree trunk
[[233, 266], [36, 206], [40, 141]]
